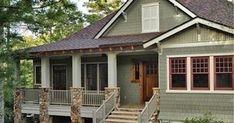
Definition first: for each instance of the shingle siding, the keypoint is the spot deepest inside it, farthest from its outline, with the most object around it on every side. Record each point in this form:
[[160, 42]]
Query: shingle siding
[[176, 106], [168, 18]]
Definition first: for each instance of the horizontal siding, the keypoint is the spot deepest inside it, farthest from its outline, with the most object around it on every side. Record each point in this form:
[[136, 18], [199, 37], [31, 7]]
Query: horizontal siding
[[190, 35], [179, 106], [168, 18]]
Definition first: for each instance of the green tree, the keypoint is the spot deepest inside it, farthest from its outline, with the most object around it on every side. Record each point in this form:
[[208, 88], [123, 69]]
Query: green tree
[[49, 20], [100, 8]]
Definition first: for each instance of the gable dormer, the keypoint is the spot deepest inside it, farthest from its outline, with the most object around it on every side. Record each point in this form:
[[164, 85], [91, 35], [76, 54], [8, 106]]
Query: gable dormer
[[145, 16]]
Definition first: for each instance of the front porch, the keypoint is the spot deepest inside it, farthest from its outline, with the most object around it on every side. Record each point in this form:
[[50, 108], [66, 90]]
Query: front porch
[[77, 85]]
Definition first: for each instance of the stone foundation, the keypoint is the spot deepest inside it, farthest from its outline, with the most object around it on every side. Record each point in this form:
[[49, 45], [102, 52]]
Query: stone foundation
[[44, 103], [18, 96], [76, 104], [156, 114], [109, 91]]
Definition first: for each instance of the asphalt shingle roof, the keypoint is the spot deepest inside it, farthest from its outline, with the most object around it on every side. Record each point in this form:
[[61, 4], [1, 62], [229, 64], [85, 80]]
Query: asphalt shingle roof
[[219, 11], [95, 43]]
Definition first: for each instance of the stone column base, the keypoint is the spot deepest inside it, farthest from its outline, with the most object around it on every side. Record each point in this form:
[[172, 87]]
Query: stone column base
[[44, 103], [18, 95], [109, 91], [76, 94]]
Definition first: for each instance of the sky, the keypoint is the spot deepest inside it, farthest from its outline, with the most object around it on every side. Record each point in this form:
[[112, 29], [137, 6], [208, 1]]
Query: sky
[[80, 4]]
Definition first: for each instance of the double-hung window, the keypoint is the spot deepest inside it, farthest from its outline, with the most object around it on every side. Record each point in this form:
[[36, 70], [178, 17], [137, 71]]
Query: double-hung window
[[200, 73], [150, 17], [224, 72], [178, 73]]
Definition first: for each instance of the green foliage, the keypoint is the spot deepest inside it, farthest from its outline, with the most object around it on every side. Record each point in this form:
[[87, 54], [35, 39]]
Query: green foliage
[[207, 118], [49, 20], [103, 6], [100, 8]]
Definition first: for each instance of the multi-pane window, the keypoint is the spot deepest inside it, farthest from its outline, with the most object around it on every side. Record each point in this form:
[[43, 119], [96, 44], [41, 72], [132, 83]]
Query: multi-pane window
[[224, 72], [178, 73], [135, 72], [38, 75], [200, 73], [150, 17]]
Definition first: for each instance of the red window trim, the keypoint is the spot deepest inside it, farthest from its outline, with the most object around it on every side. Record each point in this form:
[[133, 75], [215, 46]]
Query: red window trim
[[170, 74], [191, 69], [221, 88]]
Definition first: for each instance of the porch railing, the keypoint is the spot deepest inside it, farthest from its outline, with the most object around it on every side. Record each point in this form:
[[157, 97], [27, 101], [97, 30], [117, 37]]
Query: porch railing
[[31, 96], [60, 97], [148, 111], [105, 109], [93, 98]]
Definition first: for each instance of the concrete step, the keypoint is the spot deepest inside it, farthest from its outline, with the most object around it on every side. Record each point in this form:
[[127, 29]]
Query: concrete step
[[120, 121], [126, 117], [130, 109], [124, 113]]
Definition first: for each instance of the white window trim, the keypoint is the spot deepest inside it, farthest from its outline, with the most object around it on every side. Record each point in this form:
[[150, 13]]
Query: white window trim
[[142, 19], [188, 56], [35, 74]]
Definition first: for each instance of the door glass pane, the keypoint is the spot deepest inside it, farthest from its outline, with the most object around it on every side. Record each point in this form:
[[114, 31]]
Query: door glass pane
[[91, 73], [103, 76]]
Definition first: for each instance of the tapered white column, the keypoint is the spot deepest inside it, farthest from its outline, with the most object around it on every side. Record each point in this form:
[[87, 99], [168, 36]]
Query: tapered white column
[[45, 72], [76, 71], [112, 70]]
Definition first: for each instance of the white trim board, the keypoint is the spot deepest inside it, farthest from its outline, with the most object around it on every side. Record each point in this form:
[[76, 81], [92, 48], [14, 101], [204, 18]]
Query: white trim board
[[199, 44], [185, 26], [113, 19], [187, 11]]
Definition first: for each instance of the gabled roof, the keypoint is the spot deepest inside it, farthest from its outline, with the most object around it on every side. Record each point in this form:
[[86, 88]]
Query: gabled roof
[[109, 41], [187, 25], [219, 11]]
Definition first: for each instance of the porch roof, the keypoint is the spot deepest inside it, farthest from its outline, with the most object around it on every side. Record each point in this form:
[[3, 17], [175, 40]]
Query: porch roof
[[103, 42]]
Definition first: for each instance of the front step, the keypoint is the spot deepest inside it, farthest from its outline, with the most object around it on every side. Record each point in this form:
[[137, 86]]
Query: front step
[[123, 115], [119, 121]]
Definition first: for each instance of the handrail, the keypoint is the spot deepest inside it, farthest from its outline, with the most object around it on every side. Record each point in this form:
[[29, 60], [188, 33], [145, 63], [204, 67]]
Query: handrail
[[105, 109], [31, 95], [145, 115]]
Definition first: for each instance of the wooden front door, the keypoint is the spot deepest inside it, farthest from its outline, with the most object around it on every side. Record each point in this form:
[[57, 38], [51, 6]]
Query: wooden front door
[[150, 79], [59, 77]]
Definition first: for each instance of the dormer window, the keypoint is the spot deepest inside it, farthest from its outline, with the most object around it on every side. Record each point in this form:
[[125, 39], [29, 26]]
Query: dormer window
[[150, 17]]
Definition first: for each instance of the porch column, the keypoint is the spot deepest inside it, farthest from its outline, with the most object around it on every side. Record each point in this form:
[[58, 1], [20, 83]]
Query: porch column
[[45, 87], [76, 90], [112, 78]]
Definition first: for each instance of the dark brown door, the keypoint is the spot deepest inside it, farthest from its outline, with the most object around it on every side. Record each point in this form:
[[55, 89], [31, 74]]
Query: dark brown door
[[150, 79], [59, 77]]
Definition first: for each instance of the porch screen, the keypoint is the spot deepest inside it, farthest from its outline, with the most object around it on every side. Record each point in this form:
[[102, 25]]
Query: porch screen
[[178, 73]]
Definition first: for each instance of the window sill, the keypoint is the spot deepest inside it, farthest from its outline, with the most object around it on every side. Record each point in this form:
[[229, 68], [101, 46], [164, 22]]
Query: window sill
[[200, 91]]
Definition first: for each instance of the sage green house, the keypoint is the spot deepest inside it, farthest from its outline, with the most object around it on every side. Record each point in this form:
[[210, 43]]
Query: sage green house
[[151, 61]]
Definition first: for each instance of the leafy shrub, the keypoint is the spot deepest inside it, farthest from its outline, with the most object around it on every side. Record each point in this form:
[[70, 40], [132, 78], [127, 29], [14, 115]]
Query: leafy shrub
[[207, 118]]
